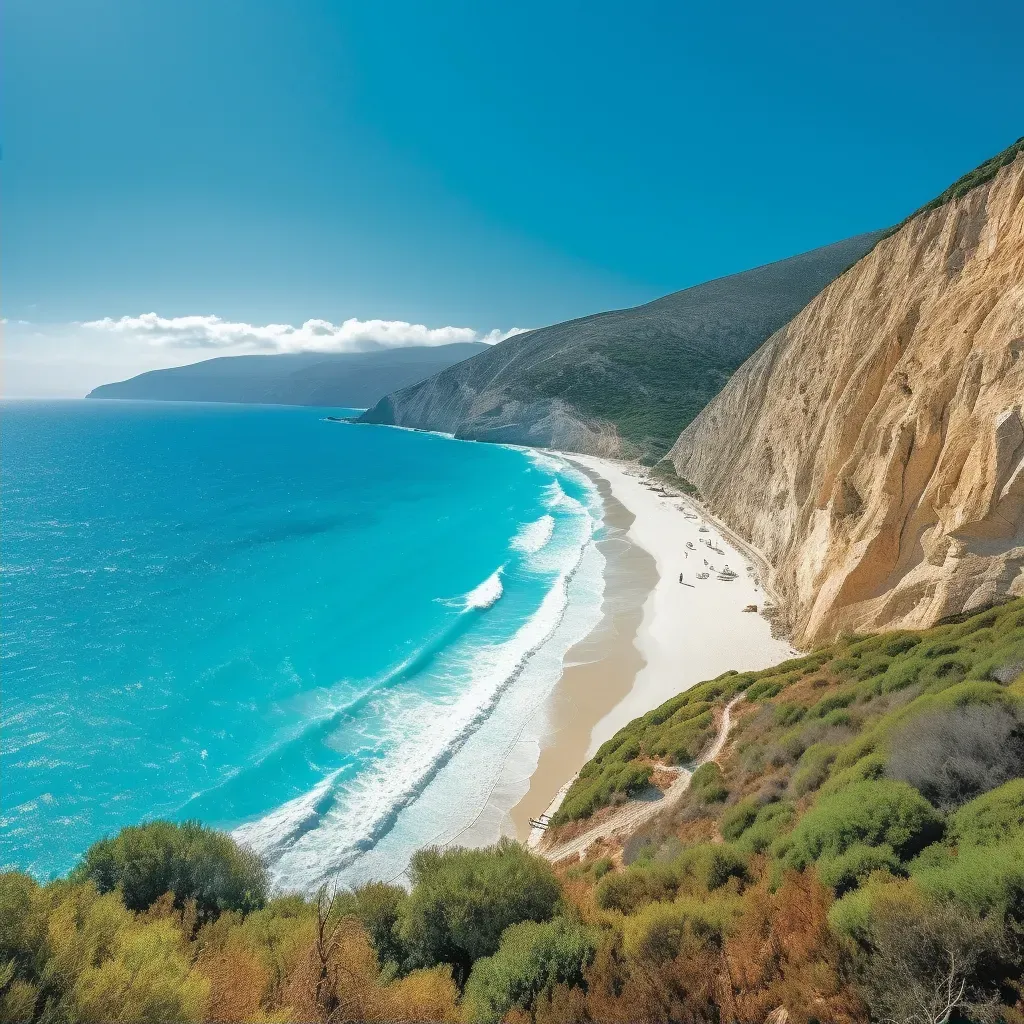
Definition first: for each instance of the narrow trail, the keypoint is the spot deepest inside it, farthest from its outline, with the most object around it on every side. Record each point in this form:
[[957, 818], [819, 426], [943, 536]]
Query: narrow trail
[[634, 813]]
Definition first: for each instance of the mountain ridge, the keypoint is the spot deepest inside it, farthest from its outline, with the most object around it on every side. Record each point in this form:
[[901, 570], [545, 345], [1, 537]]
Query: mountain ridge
[[349, 379], [622, 382]]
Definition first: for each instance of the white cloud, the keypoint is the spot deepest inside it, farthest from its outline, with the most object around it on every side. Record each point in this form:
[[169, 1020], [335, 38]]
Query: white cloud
[[211, 332]]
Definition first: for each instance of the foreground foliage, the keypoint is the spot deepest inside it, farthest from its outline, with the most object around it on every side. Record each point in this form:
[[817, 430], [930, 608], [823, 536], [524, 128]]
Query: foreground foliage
[[831, 865]]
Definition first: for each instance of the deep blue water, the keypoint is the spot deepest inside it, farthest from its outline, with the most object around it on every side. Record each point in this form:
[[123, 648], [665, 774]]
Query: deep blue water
[[258, 618]]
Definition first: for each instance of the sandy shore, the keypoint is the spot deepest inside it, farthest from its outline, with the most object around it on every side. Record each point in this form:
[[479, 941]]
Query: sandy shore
[[648, 648]]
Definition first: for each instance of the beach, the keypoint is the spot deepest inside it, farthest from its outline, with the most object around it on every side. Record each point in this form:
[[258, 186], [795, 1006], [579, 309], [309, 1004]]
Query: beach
[[657, 636]]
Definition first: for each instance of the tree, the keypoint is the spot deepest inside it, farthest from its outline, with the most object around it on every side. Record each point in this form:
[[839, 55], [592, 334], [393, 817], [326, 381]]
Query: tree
[[189, 860], [531, 959], [462, 901]]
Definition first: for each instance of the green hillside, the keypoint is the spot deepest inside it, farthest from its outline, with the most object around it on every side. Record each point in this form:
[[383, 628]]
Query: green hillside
[[642, 373]]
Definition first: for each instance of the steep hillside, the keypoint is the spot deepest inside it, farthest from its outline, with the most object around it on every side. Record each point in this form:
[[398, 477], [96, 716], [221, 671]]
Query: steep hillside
[[623, 383], [353, 380], [854, 854], [873, 449]]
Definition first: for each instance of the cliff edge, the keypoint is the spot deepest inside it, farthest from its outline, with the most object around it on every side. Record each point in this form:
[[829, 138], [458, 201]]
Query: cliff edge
[[873, 448]]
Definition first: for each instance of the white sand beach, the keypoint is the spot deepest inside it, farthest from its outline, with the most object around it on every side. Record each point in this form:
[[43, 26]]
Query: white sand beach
[[686, 633]]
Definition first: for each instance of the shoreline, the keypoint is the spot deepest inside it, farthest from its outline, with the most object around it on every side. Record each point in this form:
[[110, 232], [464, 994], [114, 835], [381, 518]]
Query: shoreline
[[681, 635], [597, 671]]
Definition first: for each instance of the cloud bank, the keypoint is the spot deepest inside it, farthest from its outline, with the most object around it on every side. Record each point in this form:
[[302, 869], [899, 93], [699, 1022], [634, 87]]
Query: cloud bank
[[211, 332]]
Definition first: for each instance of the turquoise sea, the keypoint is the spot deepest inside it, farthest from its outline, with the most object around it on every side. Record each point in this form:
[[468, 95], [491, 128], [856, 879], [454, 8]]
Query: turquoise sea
[[324, 636]]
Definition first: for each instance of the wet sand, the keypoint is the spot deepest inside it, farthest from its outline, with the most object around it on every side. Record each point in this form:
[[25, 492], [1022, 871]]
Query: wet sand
[[599, 670]]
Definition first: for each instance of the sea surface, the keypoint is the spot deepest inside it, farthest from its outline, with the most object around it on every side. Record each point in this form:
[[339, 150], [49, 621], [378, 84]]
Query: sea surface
[[326, 637]]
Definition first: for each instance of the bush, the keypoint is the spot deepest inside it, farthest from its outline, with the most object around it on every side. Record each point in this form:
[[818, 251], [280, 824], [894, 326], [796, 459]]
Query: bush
[[377, 907], [987, 880], [875, 813], [738, 819], [956, 753], [771, 822], [531, 959], [707, 783], [990, 819], [627, 891], [848, 870], [657, 933], [462, 901], [813, 767], [188, 860], [709, 866], [919, 959], [789, 714], [697, 870]]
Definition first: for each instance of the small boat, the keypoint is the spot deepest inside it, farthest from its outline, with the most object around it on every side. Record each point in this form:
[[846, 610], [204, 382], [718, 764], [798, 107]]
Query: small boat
[[703, 575], [704, 529], [689, 515], [727, 577], [689, 544]]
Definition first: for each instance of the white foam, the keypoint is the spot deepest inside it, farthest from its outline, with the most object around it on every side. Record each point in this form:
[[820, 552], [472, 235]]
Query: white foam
[[555, 497], [487, 593], [533, 536], [443, 747]]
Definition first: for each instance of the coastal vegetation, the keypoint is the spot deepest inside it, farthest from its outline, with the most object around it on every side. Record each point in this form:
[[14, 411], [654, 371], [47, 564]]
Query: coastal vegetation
[[856, 853], [981, 174]]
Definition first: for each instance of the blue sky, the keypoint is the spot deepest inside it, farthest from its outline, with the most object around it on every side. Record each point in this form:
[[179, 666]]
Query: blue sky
[[476, 165]]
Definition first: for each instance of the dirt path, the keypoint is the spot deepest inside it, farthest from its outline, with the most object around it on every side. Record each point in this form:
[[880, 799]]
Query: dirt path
[[634, 813]]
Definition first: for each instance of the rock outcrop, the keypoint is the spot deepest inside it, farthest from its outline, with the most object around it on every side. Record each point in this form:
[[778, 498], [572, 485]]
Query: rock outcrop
[[623, 383], [873, 449]]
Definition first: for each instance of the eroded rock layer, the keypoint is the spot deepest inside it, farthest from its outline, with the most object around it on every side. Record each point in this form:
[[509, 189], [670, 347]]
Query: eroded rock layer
[[873, 448]]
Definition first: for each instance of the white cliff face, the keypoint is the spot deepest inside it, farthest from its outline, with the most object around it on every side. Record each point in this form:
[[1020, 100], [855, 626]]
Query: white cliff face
[[873, 448]]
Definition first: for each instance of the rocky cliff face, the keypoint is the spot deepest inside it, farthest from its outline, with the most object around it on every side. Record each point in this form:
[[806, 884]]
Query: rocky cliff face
[[873, 448], [623, 383]]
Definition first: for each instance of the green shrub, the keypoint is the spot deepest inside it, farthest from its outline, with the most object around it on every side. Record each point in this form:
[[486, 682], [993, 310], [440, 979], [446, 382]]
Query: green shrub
[[990, 819], [707, 783], [771, 822], [462, 900], [657, 933], [813, 767], [901, 644], [709, 866], [738, 819], [852, 867], [832, 702], [586, 796], [532, 958], [875, 813], [789, 714], [635, 887], [377, 906], [988, 880], [188, 860], [764, 689]]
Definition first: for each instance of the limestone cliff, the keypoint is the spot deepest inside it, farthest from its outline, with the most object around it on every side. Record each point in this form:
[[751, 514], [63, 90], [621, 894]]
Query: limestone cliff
[[873, 448]]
